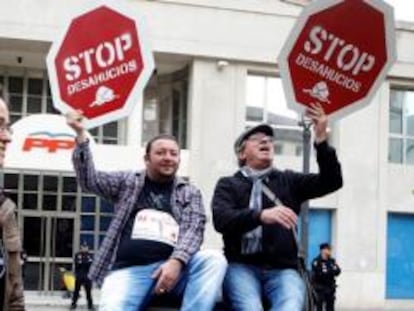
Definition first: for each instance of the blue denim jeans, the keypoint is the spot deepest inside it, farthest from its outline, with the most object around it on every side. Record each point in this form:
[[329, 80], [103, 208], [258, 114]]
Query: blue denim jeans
[[130, 289], [245, 285]]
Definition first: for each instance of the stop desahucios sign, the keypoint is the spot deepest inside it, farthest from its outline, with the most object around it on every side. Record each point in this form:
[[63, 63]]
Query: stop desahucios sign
[[337, 54], [100, 64]]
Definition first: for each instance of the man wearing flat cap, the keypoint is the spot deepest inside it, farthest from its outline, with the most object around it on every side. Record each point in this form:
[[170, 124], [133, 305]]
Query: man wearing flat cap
[[258, 237]]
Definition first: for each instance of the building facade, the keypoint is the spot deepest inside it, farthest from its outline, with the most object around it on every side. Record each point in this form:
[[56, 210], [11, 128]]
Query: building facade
[[216, 74]]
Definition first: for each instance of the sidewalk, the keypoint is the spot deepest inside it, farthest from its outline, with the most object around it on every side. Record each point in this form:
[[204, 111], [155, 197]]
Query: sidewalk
[[36, 301]]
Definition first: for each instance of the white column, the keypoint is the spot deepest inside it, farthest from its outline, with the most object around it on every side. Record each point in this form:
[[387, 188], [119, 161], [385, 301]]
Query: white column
[[359, 237], [134, 125], [216, 117]]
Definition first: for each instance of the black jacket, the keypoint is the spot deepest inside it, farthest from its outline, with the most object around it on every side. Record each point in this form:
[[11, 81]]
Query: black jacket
[[83, 262], [232, 216], [324, 272]]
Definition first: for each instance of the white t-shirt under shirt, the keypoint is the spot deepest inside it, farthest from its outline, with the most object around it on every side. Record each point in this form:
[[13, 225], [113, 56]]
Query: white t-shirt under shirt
[[151, 232]]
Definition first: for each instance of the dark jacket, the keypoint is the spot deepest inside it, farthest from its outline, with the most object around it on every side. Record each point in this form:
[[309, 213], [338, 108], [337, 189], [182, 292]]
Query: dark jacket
[[14, 299], [324, 272], [83, 261], [232, 216]]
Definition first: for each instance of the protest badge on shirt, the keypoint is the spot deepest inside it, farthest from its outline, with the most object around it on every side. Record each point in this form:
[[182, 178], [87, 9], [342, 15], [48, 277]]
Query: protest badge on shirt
[[155, 226]]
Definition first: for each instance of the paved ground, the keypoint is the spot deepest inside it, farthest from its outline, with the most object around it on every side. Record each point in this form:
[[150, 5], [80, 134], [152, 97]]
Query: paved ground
[[36, 301], [43, 308]]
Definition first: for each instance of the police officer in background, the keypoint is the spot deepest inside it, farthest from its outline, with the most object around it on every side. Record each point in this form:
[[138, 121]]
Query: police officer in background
[[325, 270], [83, 261]]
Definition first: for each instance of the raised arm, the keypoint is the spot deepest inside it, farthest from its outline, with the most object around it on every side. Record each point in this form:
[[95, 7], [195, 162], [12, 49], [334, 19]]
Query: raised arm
[[329, 178], [103, 184]]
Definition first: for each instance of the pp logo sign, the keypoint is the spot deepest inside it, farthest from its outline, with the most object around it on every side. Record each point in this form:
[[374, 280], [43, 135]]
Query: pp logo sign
[[51, 143]]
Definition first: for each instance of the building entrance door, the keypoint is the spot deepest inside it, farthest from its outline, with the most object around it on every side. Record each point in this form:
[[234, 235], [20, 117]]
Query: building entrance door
[[48, 238]]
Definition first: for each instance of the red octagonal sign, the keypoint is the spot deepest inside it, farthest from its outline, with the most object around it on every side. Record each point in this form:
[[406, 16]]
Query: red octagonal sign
[[338, 54], [100, 65]]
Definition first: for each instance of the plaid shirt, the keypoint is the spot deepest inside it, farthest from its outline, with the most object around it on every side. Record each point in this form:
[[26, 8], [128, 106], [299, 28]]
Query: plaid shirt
[[123, 188]]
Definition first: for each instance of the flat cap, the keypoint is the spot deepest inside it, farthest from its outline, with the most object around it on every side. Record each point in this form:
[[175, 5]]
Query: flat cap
[[261, 128]]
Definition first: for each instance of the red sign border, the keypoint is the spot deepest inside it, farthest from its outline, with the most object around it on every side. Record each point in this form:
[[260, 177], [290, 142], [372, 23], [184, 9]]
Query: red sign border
[[315, 7], [136, 95]]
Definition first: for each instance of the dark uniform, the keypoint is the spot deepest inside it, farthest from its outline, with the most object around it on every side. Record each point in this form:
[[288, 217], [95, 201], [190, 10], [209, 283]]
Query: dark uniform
[[324, 273], [83, 261]]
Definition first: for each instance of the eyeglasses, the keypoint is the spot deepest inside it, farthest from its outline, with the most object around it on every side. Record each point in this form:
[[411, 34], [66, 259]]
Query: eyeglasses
[[260, 138], [6, 128]]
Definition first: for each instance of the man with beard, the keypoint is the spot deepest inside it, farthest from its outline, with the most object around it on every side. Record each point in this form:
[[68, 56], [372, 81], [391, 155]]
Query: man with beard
[[153, 243]]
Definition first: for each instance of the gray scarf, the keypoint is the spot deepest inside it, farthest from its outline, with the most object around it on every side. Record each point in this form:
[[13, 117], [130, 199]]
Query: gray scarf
[[252, 241]]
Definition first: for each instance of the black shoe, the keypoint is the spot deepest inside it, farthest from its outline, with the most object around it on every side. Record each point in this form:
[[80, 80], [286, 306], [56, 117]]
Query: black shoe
[[91, 308], [72, 307]]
